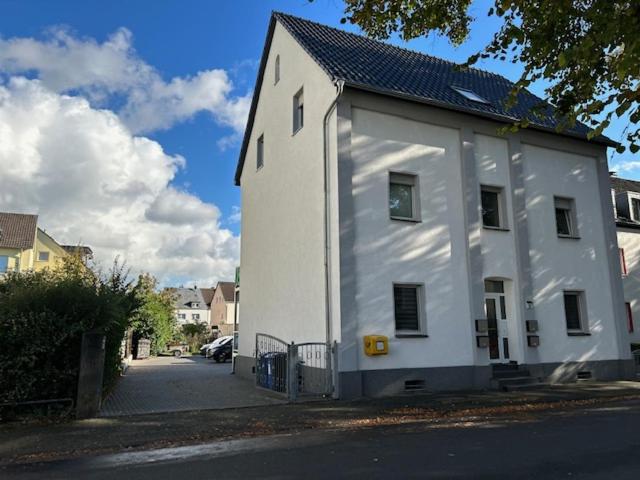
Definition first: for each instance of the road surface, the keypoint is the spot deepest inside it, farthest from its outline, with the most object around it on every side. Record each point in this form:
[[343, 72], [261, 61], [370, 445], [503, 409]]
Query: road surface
[[170, 384], [596, 443]]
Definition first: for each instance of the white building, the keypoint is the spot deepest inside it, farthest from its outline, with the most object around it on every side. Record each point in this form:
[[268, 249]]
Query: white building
[[191, 306], [626, 195], [378, 199]]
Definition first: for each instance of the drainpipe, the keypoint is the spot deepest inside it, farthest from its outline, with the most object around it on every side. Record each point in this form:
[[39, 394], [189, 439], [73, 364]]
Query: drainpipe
[[327, 203]]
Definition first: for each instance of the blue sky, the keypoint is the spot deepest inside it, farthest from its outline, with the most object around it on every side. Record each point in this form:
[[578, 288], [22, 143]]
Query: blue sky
[[180, 39]]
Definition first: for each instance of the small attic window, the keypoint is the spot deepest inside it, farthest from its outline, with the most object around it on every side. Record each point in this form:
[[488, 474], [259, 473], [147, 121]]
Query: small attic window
[[469, 95], [277, 70]]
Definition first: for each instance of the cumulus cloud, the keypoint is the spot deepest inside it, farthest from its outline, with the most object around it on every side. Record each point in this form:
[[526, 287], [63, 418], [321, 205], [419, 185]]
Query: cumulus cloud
[[113, 69], [626, 166], [93, 182]]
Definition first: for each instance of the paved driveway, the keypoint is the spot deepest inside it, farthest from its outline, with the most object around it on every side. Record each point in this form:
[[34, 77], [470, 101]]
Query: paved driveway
[[169, 384]]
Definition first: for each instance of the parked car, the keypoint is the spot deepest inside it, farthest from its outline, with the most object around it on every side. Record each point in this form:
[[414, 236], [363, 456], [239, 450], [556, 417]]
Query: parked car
[[177, 349], [222, 352], [219, 342]]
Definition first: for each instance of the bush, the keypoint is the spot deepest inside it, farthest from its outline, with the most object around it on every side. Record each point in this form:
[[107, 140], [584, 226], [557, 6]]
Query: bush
[[42, 318], [195, 335]]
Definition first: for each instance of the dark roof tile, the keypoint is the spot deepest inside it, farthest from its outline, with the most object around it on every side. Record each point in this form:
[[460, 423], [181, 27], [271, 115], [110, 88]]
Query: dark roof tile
[[17, 230], [368, 64]]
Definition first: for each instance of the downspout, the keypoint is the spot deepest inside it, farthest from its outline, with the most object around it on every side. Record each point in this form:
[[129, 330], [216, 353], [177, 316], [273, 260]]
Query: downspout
[[327, 204]]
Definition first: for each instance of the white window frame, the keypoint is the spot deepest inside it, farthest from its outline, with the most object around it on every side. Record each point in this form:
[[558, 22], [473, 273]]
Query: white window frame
[[422, 315], [567, 204], [631, 200], [40, 259], [298, 111], [182, 316], [412, 180], [582, 312], [260, 152], [195, 316], [502, 207]]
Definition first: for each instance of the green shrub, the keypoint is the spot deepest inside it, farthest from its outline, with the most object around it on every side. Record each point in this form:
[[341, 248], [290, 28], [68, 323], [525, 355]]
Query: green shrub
[[153, 317], [42, 318]]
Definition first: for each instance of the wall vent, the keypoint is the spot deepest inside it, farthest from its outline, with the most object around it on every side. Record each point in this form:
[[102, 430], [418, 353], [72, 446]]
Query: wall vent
[[584, 375], [414, 385]]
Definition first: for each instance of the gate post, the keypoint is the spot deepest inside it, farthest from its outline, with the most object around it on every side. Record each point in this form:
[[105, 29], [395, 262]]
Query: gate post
[[292, 372], [91, 373]]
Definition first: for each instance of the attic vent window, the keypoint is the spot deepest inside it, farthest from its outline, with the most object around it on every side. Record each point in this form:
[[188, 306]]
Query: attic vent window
[[470, 95]]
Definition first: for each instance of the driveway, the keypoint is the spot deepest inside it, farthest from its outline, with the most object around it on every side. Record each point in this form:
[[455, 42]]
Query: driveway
[[169, 384]]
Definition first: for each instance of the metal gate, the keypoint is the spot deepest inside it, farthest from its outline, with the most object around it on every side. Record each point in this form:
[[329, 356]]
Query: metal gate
[[294, 369]]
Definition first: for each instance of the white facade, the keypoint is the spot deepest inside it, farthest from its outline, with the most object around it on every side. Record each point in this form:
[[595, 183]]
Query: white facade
[[446, 250]]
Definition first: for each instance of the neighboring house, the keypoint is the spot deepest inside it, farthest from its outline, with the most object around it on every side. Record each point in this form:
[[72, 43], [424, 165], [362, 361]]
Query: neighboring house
[[190, 306], [626, 198], [24, 246], [378, 199], [207, 295], [223, 308]]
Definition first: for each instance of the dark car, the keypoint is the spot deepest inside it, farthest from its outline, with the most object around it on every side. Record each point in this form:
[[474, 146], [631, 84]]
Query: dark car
[[222, 353]]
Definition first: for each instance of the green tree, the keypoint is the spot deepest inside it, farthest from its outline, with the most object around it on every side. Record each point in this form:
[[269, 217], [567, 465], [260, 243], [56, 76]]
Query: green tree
[[588, 50], [154, 316]]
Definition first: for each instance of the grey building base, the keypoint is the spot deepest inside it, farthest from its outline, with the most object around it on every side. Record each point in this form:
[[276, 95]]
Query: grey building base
[[601, 370], [382, 383], [245, 367]]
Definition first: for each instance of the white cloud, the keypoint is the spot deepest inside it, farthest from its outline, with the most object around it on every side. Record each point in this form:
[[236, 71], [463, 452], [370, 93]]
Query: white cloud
[[103, 71], [626, 166], [236, 214], [93, 182]]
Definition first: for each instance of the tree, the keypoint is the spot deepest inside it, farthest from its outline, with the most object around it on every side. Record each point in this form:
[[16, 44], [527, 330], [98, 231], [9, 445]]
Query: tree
[[588, 50], [195, 334], [154, 316]]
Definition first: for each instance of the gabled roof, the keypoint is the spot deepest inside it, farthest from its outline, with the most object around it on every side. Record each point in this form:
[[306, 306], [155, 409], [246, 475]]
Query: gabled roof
[[375, 66], [227, 290], [185, 297], [621, 185], [207, 295], [17, 230]]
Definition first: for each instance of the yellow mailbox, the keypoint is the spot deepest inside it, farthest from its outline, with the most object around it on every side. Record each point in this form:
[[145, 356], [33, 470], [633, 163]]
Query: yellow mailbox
[[376, 345]]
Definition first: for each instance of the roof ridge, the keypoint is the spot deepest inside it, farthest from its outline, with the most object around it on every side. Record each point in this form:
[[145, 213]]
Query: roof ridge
[[278, 14]]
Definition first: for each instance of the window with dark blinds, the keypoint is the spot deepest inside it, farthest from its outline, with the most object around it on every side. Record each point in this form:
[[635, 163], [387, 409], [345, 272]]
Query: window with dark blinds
[[572, 310], [406, 307]]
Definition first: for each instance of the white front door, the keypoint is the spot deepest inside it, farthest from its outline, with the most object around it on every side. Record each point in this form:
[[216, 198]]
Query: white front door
[[495, 304]]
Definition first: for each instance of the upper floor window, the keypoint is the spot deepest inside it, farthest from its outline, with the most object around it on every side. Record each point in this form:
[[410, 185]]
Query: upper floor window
[[43, 256], [182, 316], [298, 111], [195, 316], [629, 317], [635, 209], [4, 263], [565, 217], [403, 197], [276, 70], [575, 312], [260, 153], [492, 200]]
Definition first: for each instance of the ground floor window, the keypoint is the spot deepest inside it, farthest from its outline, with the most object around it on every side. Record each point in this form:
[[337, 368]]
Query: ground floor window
[[575, 311], [407, 308]]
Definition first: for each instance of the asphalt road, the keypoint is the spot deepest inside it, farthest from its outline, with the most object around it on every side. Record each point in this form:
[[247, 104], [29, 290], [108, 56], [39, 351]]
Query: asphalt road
[[596, 443]]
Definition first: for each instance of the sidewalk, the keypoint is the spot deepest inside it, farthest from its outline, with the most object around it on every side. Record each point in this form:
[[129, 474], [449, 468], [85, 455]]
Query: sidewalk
[[37, 442]]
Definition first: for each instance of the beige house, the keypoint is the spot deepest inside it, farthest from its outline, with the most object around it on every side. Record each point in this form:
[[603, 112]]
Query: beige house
[[223, 308], [24, 246]]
